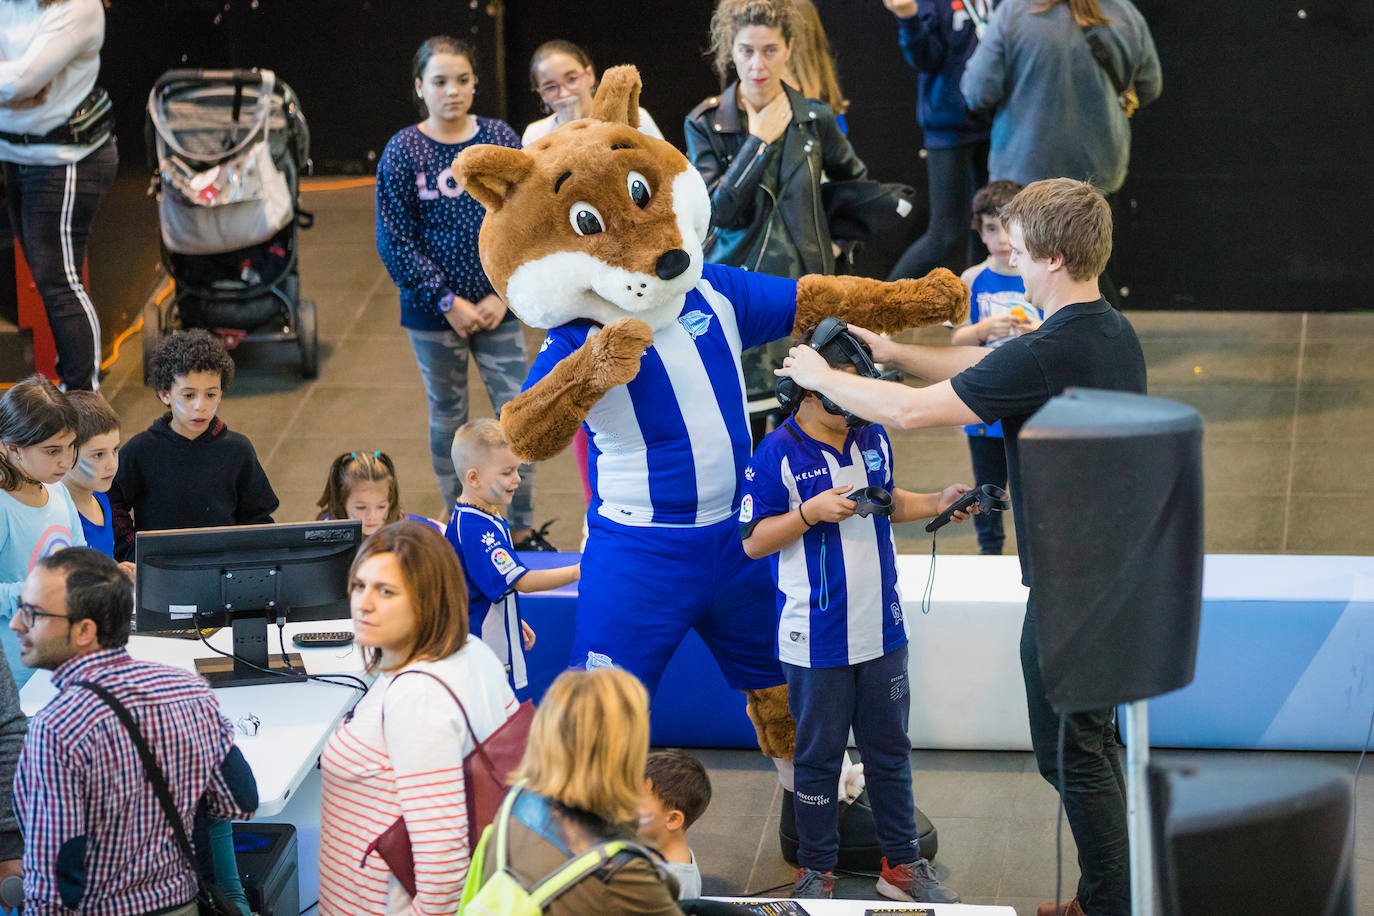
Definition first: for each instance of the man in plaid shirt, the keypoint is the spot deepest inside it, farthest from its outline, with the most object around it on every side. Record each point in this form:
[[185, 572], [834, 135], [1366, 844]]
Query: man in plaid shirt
[[95, 838]]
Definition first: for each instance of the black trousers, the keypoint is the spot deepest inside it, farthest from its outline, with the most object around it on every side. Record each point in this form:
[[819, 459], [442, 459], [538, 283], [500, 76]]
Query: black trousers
[[989, 456], [954, 175], [51, 209], [1092, 785]]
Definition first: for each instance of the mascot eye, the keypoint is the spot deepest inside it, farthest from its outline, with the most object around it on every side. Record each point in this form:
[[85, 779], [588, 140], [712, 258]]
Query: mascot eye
[[639, 189], [585, 219]]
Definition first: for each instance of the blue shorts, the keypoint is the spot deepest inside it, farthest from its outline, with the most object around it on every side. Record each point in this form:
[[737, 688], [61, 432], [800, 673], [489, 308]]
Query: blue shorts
[[642, 589]]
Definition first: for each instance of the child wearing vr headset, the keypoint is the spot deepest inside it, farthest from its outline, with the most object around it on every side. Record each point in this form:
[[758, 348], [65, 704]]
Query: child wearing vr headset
[[819, 501]]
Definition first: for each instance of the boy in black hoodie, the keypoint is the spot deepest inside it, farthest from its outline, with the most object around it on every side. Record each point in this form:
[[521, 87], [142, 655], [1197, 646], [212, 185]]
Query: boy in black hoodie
[[188, 470]]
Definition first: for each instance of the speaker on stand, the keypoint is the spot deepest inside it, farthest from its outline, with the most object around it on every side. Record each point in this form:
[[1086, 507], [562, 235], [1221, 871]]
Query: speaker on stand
[[1113, 500]]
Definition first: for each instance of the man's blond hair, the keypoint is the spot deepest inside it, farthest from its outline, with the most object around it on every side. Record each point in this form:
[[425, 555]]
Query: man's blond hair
[[1060, 217], [473, 444]]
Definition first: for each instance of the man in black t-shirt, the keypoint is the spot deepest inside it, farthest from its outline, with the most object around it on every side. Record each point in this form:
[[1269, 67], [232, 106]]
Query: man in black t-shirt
[[1061, 237]]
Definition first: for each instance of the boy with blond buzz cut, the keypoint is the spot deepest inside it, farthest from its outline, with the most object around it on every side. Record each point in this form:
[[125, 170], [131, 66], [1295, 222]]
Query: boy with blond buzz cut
[[489, 474], [676, 793]]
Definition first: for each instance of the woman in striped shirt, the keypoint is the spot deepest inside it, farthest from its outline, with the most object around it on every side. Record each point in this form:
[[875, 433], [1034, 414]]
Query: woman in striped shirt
[[400, 752]]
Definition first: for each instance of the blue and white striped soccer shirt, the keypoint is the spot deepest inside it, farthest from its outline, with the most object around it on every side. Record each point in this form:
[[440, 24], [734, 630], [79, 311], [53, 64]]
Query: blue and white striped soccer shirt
[[838, 602], [669, 448]]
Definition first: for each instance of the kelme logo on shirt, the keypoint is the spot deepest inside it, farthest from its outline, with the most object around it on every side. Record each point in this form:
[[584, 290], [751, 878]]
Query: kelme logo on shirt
[[502, 560], [873, 460], [695, 323], [489, 540], [814, 472], [746, 508], [545, 345]]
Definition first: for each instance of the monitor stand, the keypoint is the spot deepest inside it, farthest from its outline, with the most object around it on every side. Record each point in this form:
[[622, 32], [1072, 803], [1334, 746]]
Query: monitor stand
[[250, 647]]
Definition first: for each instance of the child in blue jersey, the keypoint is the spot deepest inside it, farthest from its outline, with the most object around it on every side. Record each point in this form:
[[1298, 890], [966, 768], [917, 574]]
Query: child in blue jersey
[[998, 311], [489, 474], [841, 637], [363, 486], [97, 460]]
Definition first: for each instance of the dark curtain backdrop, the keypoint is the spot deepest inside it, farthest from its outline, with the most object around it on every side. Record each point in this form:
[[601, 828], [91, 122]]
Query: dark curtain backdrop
[[1249, 183]]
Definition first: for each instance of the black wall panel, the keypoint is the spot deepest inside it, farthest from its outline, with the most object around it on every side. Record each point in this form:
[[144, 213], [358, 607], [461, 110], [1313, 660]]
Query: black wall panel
[[1249, 186]]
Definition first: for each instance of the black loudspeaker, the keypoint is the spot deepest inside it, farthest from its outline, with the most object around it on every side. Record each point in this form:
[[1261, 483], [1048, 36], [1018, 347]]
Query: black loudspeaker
[[1252, 837], [267, 861], [1113, 513]]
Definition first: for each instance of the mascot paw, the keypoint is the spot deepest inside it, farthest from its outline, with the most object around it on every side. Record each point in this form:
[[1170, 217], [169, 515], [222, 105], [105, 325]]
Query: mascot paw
[[616, 350], [852, 781]]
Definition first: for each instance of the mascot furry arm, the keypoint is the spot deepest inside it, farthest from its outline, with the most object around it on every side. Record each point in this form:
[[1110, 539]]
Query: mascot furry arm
[[569, 235]]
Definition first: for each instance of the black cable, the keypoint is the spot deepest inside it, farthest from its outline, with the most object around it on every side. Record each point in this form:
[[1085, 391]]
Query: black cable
[[309, 908], [1059, 817], [928, 595], [767, 890], [286, 660], [1355, 782], [361, 685]]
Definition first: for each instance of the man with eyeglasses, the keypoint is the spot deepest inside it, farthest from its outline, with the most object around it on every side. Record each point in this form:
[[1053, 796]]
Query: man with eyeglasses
[[95, 837]]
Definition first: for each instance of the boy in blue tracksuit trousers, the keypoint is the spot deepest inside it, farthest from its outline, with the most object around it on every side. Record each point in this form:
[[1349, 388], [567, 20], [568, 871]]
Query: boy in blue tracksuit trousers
[[841, 636]]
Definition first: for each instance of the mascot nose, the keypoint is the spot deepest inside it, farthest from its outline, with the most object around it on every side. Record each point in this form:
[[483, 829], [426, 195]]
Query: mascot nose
[[672, 263]]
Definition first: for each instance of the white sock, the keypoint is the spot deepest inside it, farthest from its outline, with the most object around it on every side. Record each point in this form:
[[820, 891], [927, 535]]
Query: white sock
[[786, 775]]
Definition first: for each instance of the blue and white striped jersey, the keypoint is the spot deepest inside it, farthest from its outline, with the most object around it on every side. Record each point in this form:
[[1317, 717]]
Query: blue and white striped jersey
[[838, 602], [669, 448], [491, 567]]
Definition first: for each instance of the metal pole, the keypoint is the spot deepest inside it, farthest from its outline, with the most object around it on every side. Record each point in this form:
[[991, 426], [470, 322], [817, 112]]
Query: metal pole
[[1138, 826]]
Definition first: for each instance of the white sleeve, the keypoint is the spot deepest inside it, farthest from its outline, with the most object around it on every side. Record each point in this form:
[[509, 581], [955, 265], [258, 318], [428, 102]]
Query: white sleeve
[[647, 125], [64, 31]]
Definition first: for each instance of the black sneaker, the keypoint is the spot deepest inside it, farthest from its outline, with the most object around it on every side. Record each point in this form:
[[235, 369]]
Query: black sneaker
[[813, 884], [537, 539]]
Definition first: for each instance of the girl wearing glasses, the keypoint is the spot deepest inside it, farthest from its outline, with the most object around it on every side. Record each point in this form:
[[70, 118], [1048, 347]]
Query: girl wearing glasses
[[562, 75], [37, 515]]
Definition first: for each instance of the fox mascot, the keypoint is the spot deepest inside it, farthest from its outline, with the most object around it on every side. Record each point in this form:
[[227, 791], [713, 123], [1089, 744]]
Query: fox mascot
[[595, 233]]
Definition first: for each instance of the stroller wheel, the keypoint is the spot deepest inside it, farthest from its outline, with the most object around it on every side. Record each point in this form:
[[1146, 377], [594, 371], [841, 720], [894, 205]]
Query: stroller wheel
[[307, 338], [152, 335]]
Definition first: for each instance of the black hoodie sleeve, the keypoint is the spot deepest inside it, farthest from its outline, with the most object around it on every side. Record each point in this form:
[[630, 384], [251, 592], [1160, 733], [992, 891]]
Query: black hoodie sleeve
[[256, 499]]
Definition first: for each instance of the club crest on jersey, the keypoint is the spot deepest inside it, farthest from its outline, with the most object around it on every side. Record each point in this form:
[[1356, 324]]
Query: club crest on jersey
[[502, 560], [695, 323], [597, 660], [746, 509], [873, 460]]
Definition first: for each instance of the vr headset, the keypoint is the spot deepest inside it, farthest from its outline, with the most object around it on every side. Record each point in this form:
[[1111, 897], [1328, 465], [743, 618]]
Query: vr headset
[[832, 332]]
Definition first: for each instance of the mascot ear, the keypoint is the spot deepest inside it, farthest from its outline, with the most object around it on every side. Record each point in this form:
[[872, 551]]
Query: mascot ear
[[617, 98], [489, 172]]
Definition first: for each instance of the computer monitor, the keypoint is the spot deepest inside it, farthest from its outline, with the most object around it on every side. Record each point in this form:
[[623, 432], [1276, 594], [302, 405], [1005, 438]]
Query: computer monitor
[[244, 577]]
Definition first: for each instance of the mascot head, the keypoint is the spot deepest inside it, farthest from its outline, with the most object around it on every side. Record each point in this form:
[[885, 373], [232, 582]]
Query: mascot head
[[596, 220]]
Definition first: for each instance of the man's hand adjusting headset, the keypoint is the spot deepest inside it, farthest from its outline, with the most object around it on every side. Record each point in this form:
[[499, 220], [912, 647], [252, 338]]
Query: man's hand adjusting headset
[[832, 332]]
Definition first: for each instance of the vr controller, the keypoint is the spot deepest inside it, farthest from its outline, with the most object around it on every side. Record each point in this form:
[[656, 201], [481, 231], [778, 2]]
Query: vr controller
[[988, 498], [871, 501]]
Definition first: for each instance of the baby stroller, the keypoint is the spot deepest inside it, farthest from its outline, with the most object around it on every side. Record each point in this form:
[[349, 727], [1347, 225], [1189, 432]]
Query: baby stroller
[[226, 148]]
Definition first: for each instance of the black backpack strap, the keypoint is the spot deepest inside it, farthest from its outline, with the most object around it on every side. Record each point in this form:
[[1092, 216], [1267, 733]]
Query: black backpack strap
[[154, 773], [1103, 58]]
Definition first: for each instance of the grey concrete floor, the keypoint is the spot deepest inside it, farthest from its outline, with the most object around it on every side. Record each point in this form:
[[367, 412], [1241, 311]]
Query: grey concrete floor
[[1288, 400]]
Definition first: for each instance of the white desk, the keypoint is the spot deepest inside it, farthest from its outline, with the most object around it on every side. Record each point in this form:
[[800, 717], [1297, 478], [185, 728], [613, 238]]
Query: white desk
[[857, 907], [297, 718]]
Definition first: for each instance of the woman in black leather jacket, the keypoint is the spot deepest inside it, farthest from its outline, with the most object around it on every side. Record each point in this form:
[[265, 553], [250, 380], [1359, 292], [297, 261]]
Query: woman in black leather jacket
[[763, 147]]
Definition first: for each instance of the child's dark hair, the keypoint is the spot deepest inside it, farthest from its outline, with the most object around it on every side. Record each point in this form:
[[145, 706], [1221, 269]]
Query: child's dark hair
[[680, 782], [184, 352], [31, 412], [94, 416], [439, 44], [351, 469], [833, 353], [557, 46], [991, 198]]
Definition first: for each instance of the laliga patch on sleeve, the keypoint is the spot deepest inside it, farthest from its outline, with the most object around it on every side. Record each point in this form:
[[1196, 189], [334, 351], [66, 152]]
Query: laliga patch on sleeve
[[746, 509], [503, 561]]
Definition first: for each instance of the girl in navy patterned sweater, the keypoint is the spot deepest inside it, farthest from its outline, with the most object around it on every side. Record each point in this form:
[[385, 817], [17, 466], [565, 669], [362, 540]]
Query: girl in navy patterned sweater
[[427, 228]]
